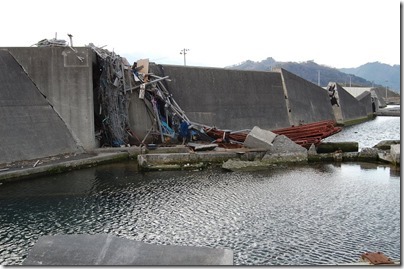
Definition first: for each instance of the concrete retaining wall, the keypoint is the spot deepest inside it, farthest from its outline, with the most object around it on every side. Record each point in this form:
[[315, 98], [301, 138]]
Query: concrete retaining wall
[[365, 100], [29, 127], [306, 101], [228, 99], [224, 98], [349, 110], [65, 77]]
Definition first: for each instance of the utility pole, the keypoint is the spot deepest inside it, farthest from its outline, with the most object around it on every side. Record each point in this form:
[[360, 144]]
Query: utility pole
[[318, 81], [184, 51], [71, 39]]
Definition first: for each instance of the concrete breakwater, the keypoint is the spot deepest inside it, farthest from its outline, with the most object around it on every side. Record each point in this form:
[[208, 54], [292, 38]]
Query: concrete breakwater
[[66, 82]]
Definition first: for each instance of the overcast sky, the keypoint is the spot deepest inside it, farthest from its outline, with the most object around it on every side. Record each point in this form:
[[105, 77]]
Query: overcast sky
[[218, 33]]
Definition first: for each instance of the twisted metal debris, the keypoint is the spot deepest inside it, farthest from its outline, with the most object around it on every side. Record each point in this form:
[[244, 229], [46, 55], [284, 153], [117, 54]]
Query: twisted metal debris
[[116, 80], [51, 43], [113, 102]]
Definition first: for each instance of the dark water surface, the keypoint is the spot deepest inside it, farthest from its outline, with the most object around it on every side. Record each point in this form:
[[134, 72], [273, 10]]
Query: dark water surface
[[317, 214]]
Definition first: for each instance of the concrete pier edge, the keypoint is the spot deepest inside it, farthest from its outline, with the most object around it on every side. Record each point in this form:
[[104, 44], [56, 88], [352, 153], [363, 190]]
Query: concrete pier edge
[[62, 167], [181, 158]]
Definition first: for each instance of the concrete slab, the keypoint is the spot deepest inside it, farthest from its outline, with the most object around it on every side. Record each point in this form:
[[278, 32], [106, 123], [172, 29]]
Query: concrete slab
[[259, 138], [239, 165], [285, 150], [111, 250], [386, 144]]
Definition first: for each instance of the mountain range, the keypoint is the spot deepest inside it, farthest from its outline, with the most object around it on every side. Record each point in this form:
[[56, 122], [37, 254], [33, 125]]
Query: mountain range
[[374, 74]]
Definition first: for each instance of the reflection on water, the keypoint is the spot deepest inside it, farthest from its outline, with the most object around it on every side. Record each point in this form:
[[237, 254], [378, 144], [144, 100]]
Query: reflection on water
[[369, 133], [321, 214]]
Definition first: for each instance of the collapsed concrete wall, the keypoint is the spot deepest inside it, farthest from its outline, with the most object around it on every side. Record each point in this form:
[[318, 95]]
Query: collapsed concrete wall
[[306, 101], [29, 127], [347, 109], [228, 99], [65, 76], [365, 100]]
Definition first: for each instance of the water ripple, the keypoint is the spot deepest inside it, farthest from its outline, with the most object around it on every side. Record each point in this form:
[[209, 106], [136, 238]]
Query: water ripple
[[319, 215]]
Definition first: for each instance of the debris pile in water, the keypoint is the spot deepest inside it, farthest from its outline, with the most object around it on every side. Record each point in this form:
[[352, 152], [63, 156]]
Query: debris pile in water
[[115, 79]]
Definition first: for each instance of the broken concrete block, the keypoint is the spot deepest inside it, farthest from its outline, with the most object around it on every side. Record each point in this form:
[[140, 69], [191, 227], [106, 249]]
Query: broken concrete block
[[395, 153], [259, 138], [368, 154], [385, 144], [285, 150], [312, 150], [328, 147]]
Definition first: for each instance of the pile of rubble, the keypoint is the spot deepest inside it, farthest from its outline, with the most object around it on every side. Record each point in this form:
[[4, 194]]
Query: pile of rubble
[[117, 78], [170, 123]]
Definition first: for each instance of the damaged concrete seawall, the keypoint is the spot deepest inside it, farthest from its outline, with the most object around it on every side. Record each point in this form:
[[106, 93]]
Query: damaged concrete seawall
[[228, 99], [349, 109], [29, 127], [307, 102], [65, 76], [239, 99]]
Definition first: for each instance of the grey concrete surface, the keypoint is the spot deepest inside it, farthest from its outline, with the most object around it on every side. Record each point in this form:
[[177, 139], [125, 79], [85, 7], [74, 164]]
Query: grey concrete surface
[[105, 249], [395, 153], [228, 99], [140, 118], [365, 100], [350, 109], [285, 150], [259, 138], [29, 128], [307, 102], [28, 171], [65, 77]]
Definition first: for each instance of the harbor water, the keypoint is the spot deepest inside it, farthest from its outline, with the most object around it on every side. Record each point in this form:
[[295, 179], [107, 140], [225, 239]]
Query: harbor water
[[369, 133], [316, 214]]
